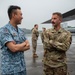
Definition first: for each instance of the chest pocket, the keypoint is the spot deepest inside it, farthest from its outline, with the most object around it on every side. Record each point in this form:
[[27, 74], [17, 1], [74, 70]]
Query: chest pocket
[[22, 37], [54, 36], [15, 37], [62, 37], [19, 38]]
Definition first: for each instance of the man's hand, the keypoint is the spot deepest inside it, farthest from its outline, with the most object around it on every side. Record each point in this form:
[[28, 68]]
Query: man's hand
[[27, 43], [13, 42]]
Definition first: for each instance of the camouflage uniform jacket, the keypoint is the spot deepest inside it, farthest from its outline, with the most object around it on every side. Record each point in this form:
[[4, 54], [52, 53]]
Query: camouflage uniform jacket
[[56, 43], [35, 34]]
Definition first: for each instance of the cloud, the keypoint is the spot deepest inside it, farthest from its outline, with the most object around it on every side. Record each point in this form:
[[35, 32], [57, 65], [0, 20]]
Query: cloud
[[35, 11]]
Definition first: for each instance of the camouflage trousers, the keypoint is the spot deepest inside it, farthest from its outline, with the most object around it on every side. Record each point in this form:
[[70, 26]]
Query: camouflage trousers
[[55, 71], [34, 45]]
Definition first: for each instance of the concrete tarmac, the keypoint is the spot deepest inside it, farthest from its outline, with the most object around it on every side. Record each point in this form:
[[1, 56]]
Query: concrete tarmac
[[35, 66]]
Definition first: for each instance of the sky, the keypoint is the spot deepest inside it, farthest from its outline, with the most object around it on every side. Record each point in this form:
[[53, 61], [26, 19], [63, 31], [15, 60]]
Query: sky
[[36, 11]]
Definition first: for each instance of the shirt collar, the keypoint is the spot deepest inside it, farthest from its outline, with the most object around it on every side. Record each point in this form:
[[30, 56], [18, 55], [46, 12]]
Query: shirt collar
[[59, 31]]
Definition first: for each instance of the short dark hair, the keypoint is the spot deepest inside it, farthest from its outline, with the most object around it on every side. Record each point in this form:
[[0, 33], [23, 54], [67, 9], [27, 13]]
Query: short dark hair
[[59, 14], [43, 28], [12, 9], [35, 25]]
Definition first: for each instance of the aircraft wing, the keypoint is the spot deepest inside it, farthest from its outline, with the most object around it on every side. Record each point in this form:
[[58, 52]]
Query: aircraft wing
[[68, 16]]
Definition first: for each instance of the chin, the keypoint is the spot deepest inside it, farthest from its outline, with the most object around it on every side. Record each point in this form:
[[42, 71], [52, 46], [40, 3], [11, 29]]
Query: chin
[[53, 25], [19, 23]]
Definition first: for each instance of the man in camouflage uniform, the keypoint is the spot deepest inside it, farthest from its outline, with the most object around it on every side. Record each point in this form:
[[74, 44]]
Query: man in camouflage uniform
[[42, 37], [56, 42], [42, 34], [35, 35]]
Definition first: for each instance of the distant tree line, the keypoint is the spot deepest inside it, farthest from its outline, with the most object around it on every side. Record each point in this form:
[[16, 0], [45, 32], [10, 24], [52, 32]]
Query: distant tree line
[[28, 31]]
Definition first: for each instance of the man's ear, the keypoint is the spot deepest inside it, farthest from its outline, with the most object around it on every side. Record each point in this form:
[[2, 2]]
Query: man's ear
[[60, 20]]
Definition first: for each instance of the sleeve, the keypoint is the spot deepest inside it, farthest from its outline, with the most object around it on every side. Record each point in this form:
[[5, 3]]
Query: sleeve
[[64, 46], [37, 33], [42, 37], [46, 43], [5, 37]]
